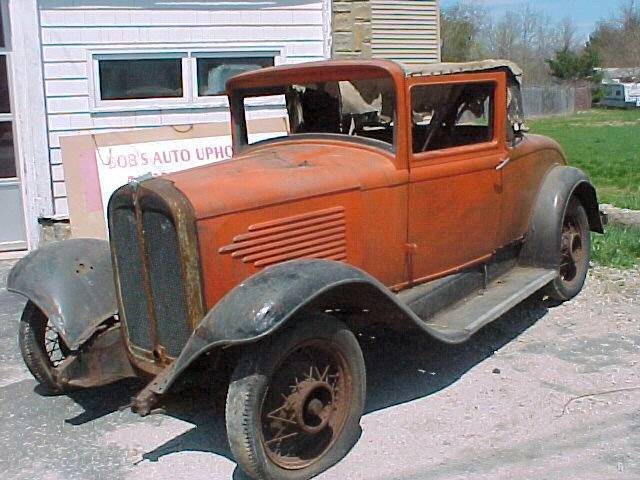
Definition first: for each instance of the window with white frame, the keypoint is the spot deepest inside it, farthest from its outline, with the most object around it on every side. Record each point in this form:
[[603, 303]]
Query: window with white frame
[[168, 79], [214, 71], [140, 78]]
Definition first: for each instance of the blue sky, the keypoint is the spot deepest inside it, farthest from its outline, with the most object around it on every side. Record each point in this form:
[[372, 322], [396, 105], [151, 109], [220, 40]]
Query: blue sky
[[584, 13]]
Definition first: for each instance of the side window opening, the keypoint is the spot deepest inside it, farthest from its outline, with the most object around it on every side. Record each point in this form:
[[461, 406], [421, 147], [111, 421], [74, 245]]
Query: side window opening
[[451, 115]]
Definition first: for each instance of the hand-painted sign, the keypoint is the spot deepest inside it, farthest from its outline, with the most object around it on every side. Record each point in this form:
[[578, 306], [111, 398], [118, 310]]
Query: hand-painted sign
[[120, 164]]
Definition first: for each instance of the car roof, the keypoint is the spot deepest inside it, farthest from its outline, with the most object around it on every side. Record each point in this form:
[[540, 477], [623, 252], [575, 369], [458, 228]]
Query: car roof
[[446, 68], [275, 75]]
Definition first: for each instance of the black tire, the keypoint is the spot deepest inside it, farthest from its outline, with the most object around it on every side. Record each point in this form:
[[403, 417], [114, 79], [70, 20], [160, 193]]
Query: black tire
[[34, 335], [575, 246], [265, 370]]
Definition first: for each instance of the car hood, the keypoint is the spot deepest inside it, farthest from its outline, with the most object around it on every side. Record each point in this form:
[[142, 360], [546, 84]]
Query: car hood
[[282, 172]]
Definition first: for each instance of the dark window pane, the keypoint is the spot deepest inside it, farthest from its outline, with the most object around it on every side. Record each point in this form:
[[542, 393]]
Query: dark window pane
[[135, 79], [7, 153], [5, 107], [446, 116], [2, 40], [213, 73]]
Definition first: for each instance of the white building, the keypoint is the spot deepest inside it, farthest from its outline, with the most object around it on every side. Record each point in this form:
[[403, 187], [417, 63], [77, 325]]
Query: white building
[[78, 66]]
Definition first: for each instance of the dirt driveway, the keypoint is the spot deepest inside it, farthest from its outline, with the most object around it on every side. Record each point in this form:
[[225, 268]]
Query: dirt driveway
[[507, 405]]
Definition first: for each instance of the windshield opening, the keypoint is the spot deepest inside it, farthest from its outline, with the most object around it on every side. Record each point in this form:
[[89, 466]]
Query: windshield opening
[[363, 110]]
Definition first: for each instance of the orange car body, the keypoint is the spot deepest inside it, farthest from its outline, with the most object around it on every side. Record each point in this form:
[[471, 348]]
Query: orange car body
[[404, 218]]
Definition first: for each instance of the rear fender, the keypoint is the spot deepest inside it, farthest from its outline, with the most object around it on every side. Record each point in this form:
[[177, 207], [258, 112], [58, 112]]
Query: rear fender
[[72, 283], [275, 296], [542, 243]]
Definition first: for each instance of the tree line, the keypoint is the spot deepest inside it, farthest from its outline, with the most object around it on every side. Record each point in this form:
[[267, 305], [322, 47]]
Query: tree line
[[547, 50]]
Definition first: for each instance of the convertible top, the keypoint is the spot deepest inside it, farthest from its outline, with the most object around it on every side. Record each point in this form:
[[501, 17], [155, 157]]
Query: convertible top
[[448, 68]]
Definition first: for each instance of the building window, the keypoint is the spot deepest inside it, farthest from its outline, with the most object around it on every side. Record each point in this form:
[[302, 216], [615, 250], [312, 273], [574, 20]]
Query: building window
[[133, 79], [5, 106], [136, 81], [213, 72], [7, 154], [3, 44]]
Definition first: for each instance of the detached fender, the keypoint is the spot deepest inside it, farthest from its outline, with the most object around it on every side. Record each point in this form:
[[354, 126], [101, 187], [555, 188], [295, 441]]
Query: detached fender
[[269, 299], [542, 243], [72, 283]]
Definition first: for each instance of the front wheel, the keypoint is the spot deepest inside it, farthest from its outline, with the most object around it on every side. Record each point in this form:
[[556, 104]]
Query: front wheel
[[575, 245], [43, 350], [295, 400]]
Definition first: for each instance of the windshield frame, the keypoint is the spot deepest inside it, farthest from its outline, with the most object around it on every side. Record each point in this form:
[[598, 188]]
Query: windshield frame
[[264, 81]]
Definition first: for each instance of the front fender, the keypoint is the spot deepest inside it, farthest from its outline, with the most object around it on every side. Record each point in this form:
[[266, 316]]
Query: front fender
[[269, 299], [72, 283], [542, 243]]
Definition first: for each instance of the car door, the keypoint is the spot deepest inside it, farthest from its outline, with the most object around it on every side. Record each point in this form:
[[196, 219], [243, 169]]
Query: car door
[[458, 148]]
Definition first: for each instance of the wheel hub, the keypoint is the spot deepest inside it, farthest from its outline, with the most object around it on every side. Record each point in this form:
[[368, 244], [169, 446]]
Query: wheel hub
[[571, 249], [313, 405]]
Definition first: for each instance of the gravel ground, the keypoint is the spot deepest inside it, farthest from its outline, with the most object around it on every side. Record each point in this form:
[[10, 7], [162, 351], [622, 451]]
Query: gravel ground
[[509, 404]]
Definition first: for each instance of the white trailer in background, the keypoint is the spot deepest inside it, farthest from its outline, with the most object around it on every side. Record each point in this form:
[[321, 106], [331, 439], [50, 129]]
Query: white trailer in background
[[621, 95]]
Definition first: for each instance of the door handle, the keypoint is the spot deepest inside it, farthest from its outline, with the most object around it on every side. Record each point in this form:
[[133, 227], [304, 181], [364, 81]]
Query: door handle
[[503, 163]]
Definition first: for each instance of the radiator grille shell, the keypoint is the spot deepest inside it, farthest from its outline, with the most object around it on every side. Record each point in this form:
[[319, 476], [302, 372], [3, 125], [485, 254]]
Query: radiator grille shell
[[157, 269]]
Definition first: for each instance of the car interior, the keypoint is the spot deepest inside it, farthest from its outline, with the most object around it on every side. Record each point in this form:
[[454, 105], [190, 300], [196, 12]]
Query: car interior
[[451, 115], [360, 108]]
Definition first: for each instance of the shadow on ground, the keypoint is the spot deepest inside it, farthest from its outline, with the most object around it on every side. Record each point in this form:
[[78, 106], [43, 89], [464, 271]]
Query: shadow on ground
[[401, 367]]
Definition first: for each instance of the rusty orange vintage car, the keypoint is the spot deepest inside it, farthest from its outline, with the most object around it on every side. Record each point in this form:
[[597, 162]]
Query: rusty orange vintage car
[[408, 198]]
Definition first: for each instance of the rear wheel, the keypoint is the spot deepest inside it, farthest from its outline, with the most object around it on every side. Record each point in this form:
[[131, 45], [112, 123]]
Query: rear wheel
[[42, 348], [575, 245], [295, 401]]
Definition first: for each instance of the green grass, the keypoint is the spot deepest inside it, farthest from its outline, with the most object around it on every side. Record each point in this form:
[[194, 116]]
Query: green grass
[[606, 145], [619, 247]]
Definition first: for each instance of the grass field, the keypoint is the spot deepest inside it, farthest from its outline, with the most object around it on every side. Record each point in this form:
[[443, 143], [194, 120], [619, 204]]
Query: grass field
[[618, 247], [606, 145]]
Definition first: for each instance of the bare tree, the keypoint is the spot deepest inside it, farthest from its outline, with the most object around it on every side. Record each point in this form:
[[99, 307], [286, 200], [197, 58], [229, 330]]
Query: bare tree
[[617, 40], [462, 25], [522, 34], [567, 34]]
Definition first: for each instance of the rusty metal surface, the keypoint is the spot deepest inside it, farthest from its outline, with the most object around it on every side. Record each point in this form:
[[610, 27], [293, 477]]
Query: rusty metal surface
[[160, 195], [72, 283], [101, 361], [315, 234]]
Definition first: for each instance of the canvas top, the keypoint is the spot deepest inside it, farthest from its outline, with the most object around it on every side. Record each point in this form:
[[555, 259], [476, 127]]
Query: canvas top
[[449, 68]]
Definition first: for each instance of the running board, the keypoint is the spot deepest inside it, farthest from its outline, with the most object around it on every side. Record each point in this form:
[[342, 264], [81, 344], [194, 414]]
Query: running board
[[456, 323]]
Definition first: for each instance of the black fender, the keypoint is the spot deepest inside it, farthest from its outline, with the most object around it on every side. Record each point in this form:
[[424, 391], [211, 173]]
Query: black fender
[[269, 299], [561, 183], [72, 283]]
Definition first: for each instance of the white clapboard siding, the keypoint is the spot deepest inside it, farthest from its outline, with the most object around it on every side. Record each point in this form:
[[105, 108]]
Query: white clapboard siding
[[406, 31], [72, 29]]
